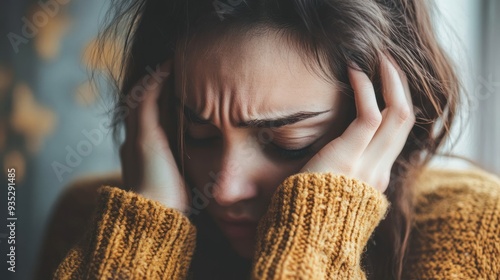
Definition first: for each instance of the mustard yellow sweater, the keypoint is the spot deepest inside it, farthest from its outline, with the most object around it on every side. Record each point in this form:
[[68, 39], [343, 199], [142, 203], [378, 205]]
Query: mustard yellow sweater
[[316, 227]]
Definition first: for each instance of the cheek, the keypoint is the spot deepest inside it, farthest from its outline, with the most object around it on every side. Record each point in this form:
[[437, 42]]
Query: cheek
[[274, 176], [199, 163], [257, 167]]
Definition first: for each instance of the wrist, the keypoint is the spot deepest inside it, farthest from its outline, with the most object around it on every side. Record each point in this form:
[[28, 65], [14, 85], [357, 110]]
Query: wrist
[[349, 208], [167, 201]]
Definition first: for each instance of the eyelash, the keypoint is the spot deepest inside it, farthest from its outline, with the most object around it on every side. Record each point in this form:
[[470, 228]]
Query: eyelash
[[293, 154], [290, 154]]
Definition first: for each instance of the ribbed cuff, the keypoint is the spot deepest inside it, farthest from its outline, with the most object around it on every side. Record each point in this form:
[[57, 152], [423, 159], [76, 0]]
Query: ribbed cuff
[[134, 237], [317, 226]]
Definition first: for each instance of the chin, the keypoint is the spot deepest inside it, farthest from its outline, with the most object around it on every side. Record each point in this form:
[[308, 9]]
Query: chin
[[245, 248]]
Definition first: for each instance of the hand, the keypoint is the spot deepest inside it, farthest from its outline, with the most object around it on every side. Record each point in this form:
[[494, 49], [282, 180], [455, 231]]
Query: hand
[[148, 164], [371, 143]]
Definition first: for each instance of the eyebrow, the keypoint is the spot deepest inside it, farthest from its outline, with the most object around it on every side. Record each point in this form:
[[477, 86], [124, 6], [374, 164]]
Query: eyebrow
[[256, 123]]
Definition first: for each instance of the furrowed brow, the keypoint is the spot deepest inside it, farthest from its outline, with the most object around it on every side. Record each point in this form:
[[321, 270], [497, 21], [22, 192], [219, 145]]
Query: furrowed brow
[[257, 123]]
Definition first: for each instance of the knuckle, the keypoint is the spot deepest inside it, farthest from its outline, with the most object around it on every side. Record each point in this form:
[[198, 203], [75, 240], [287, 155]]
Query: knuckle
[[345, 168], [139, 147], [403, 113], [338, 162], [143, 146], [412, 119], [140, 139], [373, 119], [383, 181], [324, 157]]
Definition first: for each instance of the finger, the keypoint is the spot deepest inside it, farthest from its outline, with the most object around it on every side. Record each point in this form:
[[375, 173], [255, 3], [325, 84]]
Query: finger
[[403, 78], [139, 93], [393, 90], [168, 107], [360, 132], [400, 142], [398, 116], [147, 110]]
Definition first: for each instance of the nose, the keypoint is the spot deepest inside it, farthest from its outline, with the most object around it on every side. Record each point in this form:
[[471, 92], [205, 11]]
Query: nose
[[237, 180]]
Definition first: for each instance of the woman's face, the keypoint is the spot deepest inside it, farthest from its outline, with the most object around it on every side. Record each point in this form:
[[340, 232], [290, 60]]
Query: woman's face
[[249, 100]]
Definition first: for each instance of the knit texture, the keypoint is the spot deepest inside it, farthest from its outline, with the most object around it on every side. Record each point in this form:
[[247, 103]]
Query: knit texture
[[316, 227], [457, 227], [132, 238]]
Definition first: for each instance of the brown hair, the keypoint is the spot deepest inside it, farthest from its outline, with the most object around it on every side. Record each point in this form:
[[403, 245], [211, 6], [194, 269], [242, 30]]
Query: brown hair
[[150, 31]]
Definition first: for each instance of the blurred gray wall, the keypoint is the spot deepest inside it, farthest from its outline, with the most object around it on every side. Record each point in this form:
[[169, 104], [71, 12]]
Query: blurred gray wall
[[46, 109]]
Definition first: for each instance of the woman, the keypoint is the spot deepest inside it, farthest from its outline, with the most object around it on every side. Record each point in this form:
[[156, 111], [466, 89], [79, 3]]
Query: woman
[[286, 140]]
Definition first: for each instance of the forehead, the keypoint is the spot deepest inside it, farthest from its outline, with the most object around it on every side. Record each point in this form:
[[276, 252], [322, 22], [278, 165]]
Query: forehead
[[262, 69]]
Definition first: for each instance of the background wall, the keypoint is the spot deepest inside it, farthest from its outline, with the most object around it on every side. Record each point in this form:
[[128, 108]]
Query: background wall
[[47, 107], [469, 31], [48, 110]]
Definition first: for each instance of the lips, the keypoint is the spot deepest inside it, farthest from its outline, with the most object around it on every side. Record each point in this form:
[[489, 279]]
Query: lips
[[238, 228]]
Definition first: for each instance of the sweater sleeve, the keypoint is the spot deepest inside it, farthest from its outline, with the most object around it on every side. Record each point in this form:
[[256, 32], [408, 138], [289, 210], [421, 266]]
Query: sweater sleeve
[[317, 227], [131, 237], [457, 228]]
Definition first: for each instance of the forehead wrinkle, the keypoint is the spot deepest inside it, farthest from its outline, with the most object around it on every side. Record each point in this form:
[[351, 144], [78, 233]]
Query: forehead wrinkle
[[233, 84]]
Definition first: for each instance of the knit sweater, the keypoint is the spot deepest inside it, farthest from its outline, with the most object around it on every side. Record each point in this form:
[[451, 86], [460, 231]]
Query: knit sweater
[[317, 227]]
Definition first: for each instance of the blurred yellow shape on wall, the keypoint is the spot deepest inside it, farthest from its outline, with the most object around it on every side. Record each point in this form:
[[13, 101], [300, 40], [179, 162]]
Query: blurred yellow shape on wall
[[86, 94], [104, 56], [14, 159], [48, 41], [31, 119], [6, 78], [3, 134]]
